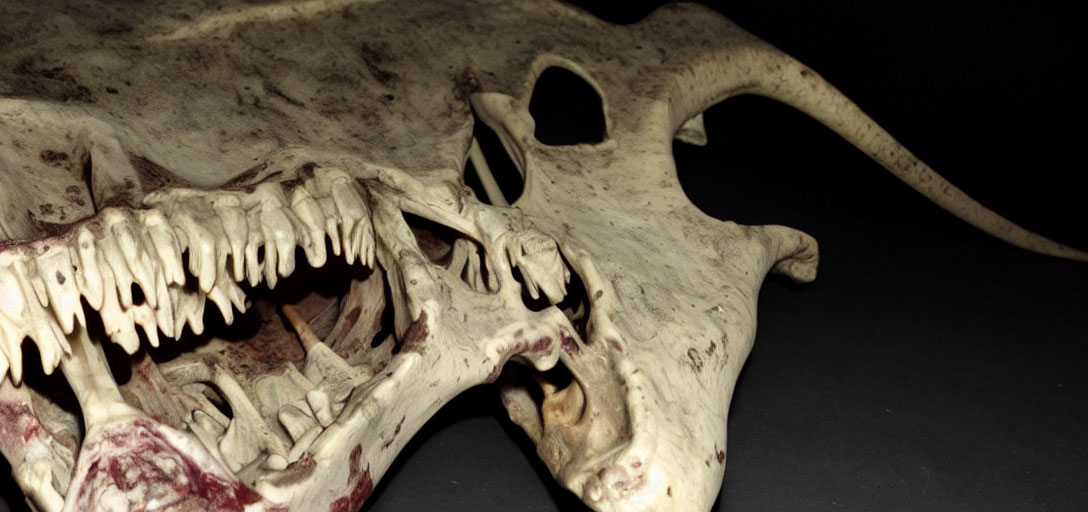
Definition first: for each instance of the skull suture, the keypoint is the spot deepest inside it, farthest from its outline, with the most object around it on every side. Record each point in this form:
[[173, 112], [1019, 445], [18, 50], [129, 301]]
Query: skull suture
[[158, 156]]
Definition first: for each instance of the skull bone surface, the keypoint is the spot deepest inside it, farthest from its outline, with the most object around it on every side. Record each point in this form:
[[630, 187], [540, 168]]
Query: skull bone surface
[[301, 166]]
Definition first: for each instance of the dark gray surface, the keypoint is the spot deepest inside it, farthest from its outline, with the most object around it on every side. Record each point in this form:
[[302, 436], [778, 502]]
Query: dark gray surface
[[929, 367]]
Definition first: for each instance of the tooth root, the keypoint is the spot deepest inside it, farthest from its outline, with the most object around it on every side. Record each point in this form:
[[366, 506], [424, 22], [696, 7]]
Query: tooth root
[[190, 310], [166, 246], [55, 267], [115, 321], [201, 246], [352, 210], [309, 213], [362, 238], [88, 277]]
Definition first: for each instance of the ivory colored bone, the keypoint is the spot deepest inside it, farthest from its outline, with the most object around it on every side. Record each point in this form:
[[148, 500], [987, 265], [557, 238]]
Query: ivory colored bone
[[196, 152]]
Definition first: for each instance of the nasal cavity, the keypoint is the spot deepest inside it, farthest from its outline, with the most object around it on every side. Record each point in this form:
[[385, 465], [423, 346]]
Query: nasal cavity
[[567, 110]]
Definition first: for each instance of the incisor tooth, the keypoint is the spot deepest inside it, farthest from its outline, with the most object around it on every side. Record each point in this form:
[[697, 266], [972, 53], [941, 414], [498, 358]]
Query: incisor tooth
[[55, 266]]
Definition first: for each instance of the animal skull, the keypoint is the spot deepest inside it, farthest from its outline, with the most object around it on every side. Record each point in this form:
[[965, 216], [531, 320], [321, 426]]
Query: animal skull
[[146, 205]]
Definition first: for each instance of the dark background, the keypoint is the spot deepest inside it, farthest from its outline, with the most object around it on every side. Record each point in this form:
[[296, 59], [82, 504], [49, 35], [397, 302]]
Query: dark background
[[929, 367]]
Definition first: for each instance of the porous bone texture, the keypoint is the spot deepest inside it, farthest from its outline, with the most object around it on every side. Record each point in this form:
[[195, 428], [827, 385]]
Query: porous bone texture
[[157, 156]]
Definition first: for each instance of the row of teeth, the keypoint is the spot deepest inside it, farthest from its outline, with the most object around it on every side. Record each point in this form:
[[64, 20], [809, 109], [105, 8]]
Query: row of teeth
[[228, 237]]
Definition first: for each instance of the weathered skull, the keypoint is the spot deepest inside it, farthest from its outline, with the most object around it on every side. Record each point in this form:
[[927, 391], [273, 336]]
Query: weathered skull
[[158, 156]]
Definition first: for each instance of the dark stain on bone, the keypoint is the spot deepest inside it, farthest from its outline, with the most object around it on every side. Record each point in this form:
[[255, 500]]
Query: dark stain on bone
[[60, 278], [695, 360], [247, 176], [412, 339], [374, 56], [152, 175], [45, 209], [360, 482], [37, 79], [306, 170], [464, 85], [569, 345], [721, 457], [54, 158], [275, 91]]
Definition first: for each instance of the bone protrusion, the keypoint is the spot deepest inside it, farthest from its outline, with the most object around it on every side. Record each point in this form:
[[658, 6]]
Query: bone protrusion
[[36, 478], [55, 267], [275, 462], [89, 376], [540, 262], [144, 316]]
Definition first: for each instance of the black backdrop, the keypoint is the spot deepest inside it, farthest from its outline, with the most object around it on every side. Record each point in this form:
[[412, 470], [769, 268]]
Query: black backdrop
[[929, 367]]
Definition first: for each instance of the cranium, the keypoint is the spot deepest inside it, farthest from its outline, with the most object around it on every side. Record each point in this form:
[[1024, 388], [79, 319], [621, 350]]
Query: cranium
[[162, 156]]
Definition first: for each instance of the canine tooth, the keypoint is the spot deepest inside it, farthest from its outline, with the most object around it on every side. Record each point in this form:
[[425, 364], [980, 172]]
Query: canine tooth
[[166, 246], [278, 228], [309, 213], [56, 269], [109, 254]]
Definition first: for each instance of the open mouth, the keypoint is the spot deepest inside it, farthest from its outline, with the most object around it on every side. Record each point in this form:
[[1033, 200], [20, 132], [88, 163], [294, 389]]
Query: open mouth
[[245, 338]]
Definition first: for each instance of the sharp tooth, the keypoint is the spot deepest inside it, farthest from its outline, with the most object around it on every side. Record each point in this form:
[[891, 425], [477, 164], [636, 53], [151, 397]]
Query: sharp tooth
[[332, 223], [362, 239], [236, 230], [166, 245], [352, 210], [40, 325], [224, 294], [109, 254], [116, 321], [164, 314], [13, 307], [190, 308], [88, 276], [309, 213], [278, 227], [132, 244], [55, 267], [254, 242], [201, 246], [144, 316]]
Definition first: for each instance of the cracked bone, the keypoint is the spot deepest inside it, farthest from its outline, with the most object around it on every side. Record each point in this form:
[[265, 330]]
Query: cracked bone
[[203, 186]]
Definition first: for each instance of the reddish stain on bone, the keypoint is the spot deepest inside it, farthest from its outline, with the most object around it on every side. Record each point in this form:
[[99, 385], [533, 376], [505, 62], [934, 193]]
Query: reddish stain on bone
[[360, 482], [137, 459], [18, 420], [569, 345]]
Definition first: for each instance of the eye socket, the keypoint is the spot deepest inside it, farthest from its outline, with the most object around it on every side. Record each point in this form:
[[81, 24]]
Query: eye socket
[[567, 109]]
